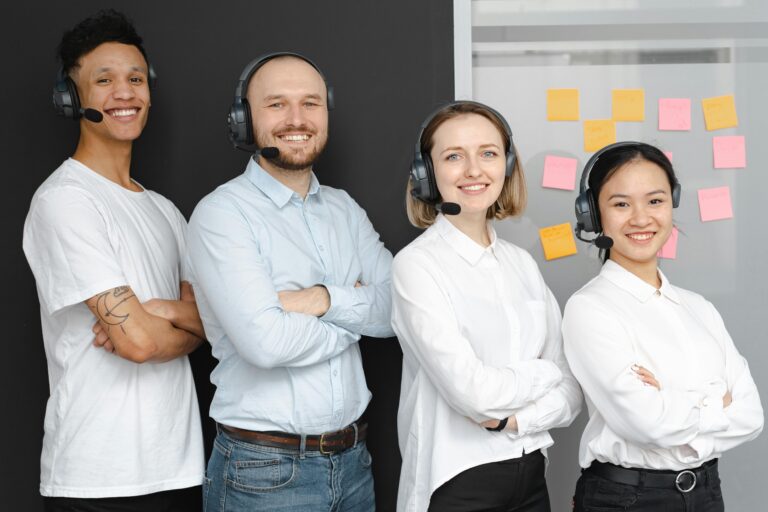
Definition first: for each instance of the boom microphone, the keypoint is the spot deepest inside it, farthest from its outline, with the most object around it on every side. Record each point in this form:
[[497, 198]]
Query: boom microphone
[[269, 152], [448, 208], [92, 115], [604, 242]]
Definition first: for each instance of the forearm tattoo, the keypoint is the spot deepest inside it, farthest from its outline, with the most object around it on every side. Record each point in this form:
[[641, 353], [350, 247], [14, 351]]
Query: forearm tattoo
[[109, 306]]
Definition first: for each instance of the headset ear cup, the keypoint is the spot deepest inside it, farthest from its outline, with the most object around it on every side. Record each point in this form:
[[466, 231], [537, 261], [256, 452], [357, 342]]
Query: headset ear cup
[[239, 121], [331, 98], [248, 124], [430, 178], [66, 102], [677, 192], [594, 213], [74, 98], [511, 159]]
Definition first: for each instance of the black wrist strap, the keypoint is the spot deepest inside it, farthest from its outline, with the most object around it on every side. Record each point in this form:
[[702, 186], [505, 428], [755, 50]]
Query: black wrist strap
[[499, 427]]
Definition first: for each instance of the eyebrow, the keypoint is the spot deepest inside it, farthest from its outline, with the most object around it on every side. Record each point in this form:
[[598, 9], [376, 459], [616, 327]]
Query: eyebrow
[[459, 148], [108, 69], [623, 196], [273, 97]]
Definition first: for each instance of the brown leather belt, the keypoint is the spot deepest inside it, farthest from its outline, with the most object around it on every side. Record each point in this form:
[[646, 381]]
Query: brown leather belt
[[327, 443]]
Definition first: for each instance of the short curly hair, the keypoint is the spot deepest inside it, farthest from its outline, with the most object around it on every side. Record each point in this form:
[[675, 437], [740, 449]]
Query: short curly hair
[[106, 26]]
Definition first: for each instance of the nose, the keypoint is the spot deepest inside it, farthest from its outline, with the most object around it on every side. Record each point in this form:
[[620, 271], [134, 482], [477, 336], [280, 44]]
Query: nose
[[124, 90], [295, 115], [472, 168], [640, 216]]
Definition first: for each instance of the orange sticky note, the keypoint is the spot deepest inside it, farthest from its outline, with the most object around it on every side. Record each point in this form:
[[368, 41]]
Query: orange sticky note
[[628, 104], [674, 114], [720, 112], [562, 104], [715, 204], [559, 172], [598, 133], [729, 152], [669, 250], [557, 241]]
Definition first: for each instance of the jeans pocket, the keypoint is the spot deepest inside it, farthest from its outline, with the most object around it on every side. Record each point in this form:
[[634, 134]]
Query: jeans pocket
[[365, 457], [604, 495], [260, 472]]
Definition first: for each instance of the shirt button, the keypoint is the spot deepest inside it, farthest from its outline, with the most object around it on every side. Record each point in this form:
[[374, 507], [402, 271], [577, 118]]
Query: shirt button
[[657, 293], [335, 372], [321, 247]]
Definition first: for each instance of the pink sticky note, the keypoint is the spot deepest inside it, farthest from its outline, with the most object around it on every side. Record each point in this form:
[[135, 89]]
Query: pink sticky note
[[559, 173], [730, 152], [715, 203], [669, 250], [674, 114], [669, 155]]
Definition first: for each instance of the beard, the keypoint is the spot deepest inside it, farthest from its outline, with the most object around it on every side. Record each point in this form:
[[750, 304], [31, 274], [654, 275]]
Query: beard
[[290, 161]]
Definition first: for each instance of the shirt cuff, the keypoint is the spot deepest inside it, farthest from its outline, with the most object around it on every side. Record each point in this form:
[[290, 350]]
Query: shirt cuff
[[703, 445], [712, 417], [525, 418], [342, 301]]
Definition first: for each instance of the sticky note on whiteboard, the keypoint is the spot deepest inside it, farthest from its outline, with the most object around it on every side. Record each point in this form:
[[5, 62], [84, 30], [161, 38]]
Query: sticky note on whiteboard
[[675, 114], [729, 152], [719, 112], [668, 154], [557, 241], [669, 250], [559, 172], [598, 133], [562, 104], [628, 104], [715, 203]]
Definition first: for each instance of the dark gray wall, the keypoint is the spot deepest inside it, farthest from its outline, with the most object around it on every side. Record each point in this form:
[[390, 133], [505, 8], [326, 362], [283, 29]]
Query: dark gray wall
[[390, 62]]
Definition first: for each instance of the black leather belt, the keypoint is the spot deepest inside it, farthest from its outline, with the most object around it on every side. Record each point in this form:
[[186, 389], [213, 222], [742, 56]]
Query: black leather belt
[[327, 443], [684, 481]]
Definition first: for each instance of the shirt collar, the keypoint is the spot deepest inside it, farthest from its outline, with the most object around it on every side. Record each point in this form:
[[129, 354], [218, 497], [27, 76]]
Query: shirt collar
[[641, 290], [461, 243], [272, 188]]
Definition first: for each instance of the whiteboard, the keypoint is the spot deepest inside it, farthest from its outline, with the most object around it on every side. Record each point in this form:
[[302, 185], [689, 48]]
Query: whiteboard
[[509, 53]]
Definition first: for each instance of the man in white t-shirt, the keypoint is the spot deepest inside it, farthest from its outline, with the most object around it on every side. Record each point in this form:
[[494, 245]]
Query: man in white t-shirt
[[122, 426]]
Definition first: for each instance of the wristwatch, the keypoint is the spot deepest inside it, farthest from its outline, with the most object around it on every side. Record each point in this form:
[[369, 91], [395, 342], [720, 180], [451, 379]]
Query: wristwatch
[[499, 427]]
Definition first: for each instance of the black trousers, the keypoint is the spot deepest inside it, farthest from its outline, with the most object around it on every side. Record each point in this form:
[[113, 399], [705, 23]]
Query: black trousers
[[594, 492], [514, 485], [179, 500]]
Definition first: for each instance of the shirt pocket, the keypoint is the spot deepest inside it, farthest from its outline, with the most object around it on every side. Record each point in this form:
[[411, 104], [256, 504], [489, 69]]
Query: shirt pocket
[[534, 329]]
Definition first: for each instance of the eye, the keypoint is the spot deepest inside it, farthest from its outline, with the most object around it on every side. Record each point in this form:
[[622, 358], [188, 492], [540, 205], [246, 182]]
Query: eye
[[452, 157], [489, 154], [657, 201], [103, 80], [136, 80], [620, 204], [311, 104], [276, 105]]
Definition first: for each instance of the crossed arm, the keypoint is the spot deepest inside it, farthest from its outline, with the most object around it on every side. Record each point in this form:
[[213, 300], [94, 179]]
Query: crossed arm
[[157, 331]]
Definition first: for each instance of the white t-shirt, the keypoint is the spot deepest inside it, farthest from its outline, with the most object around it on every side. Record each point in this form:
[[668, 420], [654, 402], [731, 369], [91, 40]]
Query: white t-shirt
[[112, 427], [480, 333]]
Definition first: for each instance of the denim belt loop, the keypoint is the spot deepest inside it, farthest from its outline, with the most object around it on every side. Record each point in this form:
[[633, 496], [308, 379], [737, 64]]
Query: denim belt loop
[[641, 484], [303, 446], [354, 426]]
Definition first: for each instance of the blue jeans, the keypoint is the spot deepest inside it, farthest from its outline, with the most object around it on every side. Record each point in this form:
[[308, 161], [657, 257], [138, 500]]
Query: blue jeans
[[243, 476]]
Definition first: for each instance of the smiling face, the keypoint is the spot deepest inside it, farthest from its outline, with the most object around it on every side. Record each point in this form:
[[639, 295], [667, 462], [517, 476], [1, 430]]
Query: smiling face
[[113, 79], [287, 97], [636, 212], [469, 161]]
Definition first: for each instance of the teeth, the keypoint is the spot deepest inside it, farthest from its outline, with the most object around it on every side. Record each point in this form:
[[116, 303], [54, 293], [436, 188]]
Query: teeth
[[123, 112], [474, 187], [641, 236], [295, 138]]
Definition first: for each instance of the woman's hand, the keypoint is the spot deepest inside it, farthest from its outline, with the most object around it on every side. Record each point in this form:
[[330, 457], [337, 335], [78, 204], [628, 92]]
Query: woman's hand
[[646, 376], [511, 424]]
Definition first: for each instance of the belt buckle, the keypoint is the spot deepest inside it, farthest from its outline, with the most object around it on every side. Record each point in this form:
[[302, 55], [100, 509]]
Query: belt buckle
[[322, 440], [678, 481]]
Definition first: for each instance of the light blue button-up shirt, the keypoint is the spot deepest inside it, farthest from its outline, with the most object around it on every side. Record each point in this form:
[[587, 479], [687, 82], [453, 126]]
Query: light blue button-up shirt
[[253, 237]]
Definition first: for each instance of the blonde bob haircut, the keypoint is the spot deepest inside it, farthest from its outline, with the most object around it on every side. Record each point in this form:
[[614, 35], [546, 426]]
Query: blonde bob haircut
[[513, 196]]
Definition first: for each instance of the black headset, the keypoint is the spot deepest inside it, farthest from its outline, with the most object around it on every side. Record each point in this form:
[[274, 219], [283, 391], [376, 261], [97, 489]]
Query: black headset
[[239, 117], [587, 212], [423, 184], [66, 101]]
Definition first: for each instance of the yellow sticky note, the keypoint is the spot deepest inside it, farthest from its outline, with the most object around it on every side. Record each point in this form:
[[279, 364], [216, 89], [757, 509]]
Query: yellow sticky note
[[720, 112], [557, 241], [562, 104], [628, 104], [598, 133]]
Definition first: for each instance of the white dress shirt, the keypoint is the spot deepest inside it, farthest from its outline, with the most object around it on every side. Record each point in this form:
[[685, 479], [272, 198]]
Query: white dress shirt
[[480, 333], [290, 372], [618, 320]]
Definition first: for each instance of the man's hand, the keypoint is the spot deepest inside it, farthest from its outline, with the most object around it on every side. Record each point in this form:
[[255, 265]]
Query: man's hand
[[101, 338], [511, 424], [313, 301], [727, 399]]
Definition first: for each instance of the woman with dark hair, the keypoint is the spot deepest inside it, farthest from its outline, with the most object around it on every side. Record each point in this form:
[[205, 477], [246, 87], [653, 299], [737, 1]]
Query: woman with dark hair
[[666, 389], [484, 375]]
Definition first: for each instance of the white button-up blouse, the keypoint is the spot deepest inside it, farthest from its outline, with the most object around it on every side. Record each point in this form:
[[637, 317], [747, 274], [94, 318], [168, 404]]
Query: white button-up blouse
[[618, 320], [480, 333]]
